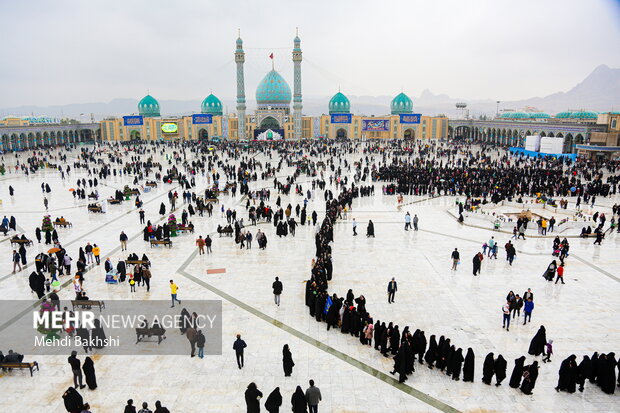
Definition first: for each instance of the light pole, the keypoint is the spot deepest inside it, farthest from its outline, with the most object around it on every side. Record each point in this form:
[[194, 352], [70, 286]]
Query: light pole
[[497, 110]]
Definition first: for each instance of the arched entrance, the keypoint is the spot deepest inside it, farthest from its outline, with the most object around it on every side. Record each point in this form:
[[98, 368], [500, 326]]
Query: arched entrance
[[569, 143], [203, 135], [409, 134], [341, 133], [269, 123], [134, 135]]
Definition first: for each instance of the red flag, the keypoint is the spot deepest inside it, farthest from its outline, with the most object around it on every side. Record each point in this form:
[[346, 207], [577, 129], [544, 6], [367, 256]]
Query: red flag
[[271, 56]]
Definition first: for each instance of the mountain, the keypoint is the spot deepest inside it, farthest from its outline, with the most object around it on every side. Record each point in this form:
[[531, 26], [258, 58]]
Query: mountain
[[599, 91]]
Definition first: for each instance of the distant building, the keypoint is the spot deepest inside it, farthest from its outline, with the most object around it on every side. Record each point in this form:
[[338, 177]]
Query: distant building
[[511, 127]]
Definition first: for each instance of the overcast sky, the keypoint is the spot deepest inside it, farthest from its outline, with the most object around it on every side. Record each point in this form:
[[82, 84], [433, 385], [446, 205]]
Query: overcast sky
[[59, 52]]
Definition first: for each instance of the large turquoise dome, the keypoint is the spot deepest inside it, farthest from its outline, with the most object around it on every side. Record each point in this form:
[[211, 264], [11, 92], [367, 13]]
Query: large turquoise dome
[[211, 105], [401, 104], [273, 91], [339, 103], [149, 107]]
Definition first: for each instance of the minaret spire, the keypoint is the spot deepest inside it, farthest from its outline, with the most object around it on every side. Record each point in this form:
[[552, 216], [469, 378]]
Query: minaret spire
[[297, 105], [240, 59]]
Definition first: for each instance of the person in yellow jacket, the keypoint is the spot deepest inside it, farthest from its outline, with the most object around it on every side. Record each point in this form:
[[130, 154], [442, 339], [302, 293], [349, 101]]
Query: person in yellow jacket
[[96, 252]]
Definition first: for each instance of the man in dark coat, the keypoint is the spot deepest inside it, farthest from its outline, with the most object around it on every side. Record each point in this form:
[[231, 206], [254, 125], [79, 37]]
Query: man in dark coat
[[468, 367], [488, 369], [537, 345], [517, 373]]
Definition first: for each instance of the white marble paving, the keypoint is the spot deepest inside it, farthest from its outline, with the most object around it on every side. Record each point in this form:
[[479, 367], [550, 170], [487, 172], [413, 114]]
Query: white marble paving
[[580, 316]]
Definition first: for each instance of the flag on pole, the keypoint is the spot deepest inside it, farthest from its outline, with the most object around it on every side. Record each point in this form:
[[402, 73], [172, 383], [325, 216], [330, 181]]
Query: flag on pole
[[271, 56]]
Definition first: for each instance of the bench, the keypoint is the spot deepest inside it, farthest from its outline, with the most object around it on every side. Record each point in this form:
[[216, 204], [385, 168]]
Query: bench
[[95, 209], [88, 304], [20, 241], [226, 231], [223, 192], [143, 333], [63, 224], [163, 242], [114, 201], [212, 200], [151, 184], [20, 365], [93, 196], [182, 228], [137, 262], [133, 192]]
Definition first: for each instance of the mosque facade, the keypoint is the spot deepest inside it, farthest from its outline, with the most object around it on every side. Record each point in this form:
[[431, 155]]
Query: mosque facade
[[278, 115]]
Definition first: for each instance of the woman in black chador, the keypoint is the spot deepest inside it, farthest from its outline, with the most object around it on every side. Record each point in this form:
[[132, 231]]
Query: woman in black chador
[[89, 372], [456, 363], [537, 345], [517, 373], [274, 401], [488, 369], [500, 370], [431, 353], [529, 378], [287, 361], [468, 367]]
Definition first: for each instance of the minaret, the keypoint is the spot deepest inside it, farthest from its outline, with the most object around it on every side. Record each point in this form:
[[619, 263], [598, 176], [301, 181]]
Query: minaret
[[297, 87], [240, 59]]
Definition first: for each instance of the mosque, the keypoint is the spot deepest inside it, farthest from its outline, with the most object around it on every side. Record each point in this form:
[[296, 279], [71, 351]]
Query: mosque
[[274, 118]]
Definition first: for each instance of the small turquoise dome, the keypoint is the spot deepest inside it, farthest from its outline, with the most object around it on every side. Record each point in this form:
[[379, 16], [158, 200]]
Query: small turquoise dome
[[339, 103], [563, 115], [239, 41], [539, 115], [211, 105], [273, 91], [584, 114], [401, 104], [149, 107]]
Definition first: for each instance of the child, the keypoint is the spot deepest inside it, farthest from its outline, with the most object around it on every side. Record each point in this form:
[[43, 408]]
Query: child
[[560, 274], [132, 283], [549, 346]]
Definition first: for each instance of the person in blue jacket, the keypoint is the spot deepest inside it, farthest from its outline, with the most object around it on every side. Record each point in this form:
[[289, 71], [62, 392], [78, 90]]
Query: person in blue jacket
[[527, 310]]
